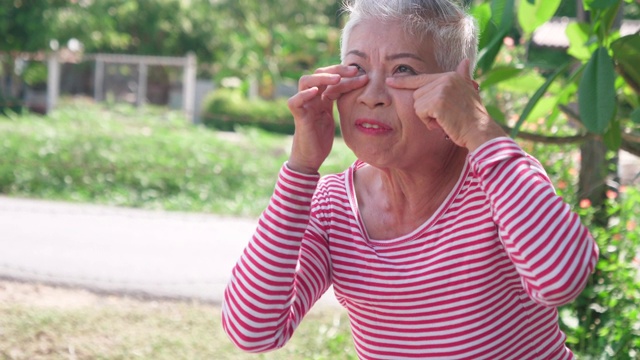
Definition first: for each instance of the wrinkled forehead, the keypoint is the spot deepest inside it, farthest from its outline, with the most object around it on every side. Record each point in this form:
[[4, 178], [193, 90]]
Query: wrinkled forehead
[[390, 34]]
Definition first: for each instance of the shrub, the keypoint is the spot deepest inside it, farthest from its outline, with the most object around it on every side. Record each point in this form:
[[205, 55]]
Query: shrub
[[228, 109], [225, 109]]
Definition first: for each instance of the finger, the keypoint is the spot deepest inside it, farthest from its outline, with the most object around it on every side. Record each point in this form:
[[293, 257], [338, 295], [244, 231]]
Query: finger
[[302, 97], [333, 92], [317, 80], [342, 70], [411, 82], [464, 70]]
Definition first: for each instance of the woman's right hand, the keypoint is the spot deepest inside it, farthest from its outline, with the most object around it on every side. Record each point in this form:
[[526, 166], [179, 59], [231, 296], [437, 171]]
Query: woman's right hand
[[312, 109]]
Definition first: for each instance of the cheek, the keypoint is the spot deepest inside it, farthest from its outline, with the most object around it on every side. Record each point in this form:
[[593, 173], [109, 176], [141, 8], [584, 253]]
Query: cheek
[[345, 105]]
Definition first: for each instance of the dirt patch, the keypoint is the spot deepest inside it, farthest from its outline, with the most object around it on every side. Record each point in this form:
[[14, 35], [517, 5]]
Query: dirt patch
[[46, 296]]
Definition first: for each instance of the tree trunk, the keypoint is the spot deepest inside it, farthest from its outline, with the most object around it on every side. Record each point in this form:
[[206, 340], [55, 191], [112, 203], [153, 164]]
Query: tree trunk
[[592, 182]]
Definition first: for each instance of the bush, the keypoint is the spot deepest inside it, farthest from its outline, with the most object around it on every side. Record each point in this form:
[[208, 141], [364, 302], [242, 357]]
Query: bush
[[604, 322], [228, 109], [9, 105], [131, 158], [225, 109]]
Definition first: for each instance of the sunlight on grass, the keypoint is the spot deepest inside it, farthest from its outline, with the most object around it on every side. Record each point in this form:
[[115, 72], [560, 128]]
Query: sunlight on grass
[[110, 327]]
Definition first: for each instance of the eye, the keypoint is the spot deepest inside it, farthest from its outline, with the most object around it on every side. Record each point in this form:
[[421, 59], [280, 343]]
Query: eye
[[360, 69], [404, 69]]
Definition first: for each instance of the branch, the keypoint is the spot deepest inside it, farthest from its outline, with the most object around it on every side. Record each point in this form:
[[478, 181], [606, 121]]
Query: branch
[[631, 144], [550, 139]]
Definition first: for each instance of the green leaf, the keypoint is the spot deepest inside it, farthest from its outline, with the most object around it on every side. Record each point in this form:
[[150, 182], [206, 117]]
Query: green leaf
[[626, 53], [533, 14], [599, 4], [496, 114], [596, 92], [543, 108], [487, 55], [578, 34], [482, 14], [499, 74], [635, 116], [536, 97], [502, 13], [613, 137], [525, 83]]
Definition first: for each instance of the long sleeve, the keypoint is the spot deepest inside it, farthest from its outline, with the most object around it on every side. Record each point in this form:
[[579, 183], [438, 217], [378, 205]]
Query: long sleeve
[[550, 248], [282, 272]]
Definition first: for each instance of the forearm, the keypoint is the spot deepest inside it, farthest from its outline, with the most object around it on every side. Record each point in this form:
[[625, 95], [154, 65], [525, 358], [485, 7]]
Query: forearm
[[269, 290], [552, 251]]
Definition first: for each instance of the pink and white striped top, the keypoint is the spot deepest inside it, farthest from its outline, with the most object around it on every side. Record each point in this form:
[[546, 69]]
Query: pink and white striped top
[[479, 280]]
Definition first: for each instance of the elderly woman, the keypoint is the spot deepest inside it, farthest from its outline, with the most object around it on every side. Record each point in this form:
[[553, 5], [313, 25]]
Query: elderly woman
[[443, 240]]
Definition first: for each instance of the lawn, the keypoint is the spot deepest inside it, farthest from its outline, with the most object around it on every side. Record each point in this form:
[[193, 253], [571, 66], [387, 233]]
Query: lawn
[[154, 159], [46, 323]]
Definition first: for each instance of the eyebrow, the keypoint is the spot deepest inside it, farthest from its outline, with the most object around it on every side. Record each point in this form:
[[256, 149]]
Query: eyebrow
[[389, 57]]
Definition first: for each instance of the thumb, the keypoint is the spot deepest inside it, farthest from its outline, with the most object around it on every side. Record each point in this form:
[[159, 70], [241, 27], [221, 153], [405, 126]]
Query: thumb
[[463, 69]]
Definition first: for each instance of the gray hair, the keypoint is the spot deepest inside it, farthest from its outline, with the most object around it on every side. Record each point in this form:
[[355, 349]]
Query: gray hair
[[454, 32]]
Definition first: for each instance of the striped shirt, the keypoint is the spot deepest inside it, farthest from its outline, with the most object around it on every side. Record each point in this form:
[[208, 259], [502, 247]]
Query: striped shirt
[[481, 279]]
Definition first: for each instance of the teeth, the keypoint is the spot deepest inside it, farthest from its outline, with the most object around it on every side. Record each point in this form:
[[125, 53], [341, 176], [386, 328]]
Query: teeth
[[370, 126]]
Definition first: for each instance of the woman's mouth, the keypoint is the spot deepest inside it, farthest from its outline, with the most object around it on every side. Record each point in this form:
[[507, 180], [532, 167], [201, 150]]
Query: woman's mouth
[[370, 126]]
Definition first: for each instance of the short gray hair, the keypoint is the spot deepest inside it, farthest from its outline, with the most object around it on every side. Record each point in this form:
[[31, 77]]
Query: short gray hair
[[454, 32]]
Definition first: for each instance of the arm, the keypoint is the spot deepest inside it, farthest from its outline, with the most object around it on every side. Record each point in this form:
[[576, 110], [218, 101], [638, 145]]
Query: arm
[[285, 268], [283, 271], [551, 250]]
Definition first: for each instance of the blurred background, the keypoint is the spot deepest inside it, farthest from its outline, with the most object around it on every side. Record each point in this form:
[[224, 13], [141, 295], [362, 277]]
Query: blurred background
[[166, 107]]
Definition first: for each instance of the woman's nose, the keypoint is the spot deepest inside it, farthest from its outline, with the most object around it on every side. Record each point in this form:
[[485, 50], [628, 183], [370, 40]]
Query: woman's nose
[[375, 92]]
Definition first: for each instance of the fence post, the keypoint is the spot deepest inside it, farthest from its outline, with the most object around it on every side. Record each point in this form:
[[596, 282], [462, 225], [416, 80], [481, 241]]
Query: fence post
[[53, 81], [98, 79], [189, 87], [141, 97]]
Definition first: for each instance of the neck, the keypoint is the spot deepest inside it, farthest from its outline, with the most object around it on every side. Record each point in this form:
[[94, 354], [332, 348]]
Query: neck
[[417, 192]]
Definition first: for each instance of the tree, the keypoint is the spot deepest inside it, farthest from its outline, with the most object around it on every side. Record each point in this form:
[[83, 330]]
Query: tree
[[593, 96], [24, 28], [600, 75], [267, 40]]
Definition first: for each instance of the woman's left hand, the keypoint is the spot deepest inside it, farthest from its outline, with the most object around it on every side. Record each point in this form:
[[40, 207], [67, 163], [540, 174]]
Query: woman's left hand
[[451, 101]]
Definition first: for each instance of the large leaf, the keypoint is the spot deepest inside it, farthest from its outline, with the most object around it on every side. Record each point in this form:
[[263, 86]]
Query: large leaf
[[535, 13], [502, 13], [535, 98], [499, 74], [596, 92], [487, 56], [626, 53], [599, 4], [613, 137]]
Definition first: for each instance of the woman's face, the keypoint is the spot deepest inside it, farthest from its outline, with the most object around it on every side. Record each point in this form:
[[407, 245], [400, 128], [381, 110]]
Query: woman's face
[[378, 122]]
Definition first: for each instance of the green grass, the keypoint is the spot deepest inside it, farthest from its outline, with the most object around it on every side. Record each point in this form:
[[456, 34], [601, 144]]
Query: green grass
[[149, 159], [153, 159]]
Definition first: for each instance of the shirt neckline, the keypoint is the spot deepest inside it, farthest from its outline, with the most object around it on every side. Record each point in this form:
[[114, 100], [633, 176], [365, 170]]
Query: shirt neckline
[[353, 202]]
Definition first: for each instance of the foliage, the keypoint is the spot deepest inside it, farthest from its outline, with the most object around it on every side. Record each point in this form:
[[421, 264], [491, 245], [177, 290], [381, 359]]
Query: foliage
[[267, 44], [226, 109], [600, 75], [604, 322], [25, 25], [129, 159], [151, 159]]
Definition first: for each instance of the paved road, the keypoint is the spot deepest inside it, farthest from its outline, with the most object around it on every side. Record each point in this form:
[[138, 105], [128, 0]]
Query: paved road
[[126, 251]]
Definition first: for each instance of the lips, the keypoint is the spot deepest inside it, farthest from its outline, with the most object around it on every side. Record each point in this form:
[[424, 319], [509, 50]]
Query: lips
[[372, 126]]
